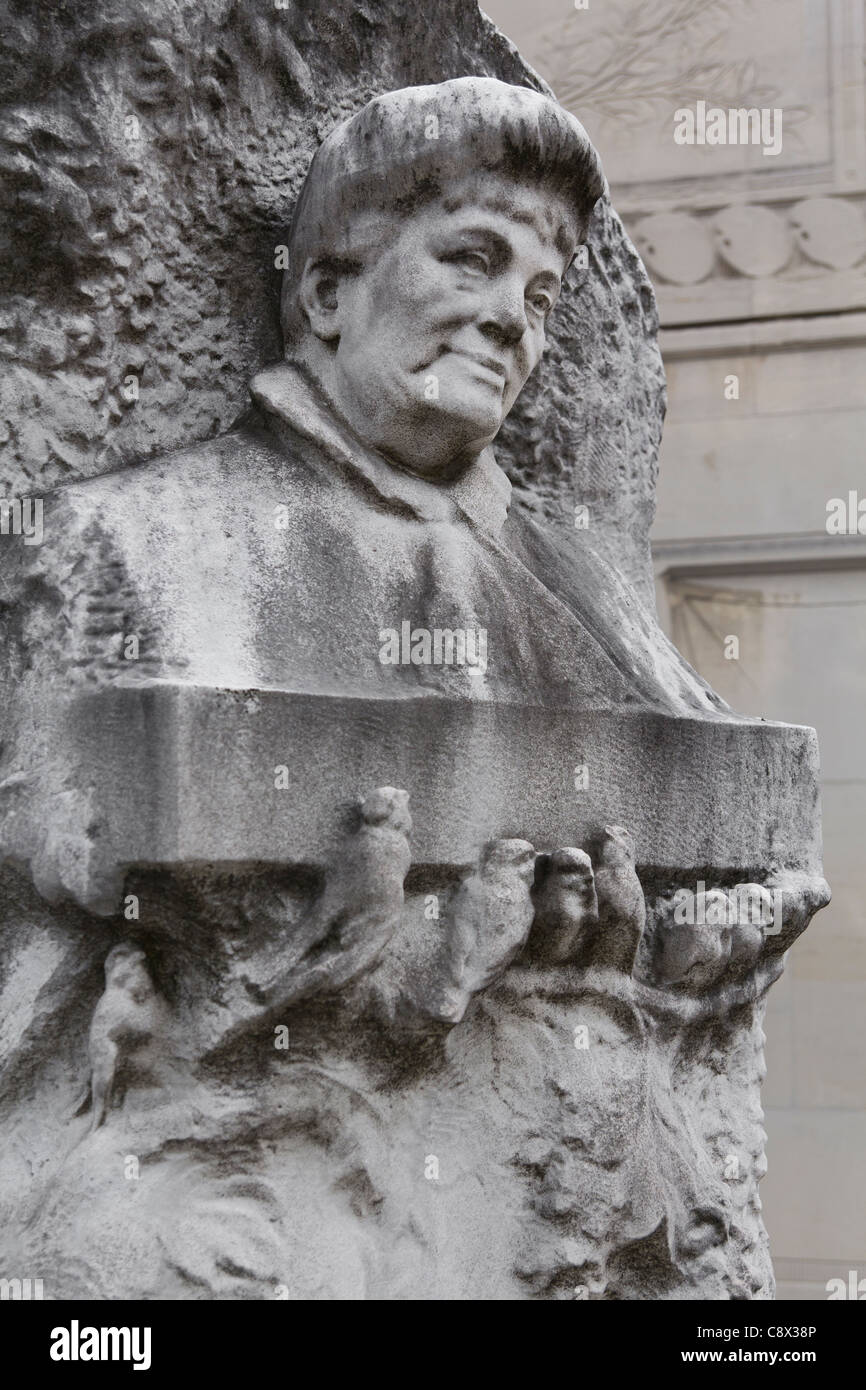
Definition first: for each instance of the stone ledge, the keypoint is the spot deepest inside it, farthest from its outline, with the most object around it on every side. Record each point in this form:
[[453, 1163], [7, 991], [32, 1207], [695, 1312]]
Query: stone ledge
[[185, 774]]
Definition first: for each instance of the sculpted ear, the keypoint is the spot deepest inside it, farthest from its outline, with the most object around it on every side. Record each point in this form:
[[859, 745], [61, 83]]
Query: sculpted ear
[[320, 296]]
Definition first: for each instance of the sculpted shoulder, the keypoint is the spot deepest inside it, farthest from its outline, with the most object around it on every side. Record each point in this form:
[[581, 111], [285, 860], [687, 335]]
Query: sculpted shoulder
[[168, 551], [176, 510], [169, 484]]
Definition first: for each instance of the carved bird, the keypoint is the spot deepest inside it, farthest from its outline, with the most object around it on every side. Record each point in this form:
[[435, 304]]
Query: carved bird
[[344, 933], [365, 886], [363, 898], [621, 905], [492, 915], [565, 905], [754, 911], [694, 952], [124, 1019]]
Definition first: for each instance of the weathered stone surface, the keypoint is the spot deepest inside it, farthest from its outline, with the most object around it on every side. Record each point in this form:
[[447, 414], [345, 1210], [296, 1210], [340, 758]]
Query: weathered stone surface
[[154, 257], [385, 966], [161, 763]]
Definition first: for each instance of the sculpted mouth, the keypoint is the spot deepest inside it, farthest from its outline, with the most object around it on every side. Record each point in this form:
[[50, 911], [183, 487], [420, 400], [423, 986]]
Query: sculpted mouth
[[492, 364]]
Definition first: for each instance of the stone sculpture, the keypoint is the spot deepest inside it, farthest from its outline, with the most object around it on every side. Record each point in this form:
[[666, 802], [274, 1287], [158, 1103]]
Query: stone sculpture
[[471, 1052], [123, 1020]]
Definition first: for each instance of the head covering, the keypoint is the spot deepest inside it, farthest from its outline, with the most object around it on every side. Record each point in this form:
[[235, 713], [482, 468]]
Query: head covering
[[406, 147]]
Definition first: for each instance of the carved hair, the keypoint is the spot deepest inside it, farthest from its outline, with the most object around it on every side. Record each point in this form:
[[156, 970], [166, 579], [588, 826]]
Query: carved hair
[[405, 148]]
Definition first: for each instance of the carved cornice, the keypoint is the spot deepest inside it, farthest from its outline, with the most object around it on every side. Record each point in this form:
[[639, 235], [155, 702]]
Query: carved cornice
[[811, 237]]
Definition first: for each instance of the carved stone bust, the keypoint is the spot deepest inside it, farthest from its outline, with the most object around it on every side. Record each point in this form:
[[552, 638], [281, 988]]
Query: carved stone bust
[[452, 1053], [427, 252]]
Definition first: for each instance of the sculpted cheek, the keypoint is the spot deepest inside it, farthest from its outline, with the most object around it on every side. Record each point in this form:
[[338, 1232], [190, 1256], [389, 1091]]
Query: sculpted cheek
[[531, 355], [435, 295]]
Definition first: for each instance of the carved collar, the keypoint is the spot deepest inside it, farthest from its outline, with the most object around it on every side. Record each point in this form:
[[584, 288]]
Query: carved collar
[[482, 494]]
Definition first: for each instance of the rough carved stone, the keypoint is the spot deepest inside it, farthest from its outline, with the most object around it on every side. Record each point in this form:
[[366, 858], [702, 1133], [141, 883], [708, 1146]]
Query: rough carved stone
[[340, 1050]]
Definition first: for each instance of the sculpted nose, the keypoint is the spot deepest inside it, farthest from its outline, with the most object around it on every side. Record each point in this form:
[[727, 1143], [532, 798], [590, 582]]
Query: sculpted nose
[[504, 319]]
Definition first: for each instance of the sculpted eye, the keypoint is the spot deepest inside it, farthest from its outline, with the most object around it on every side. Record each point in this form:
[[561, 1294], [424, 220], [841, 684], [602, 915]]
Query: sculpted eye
[[541, 301], [474, 261]]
